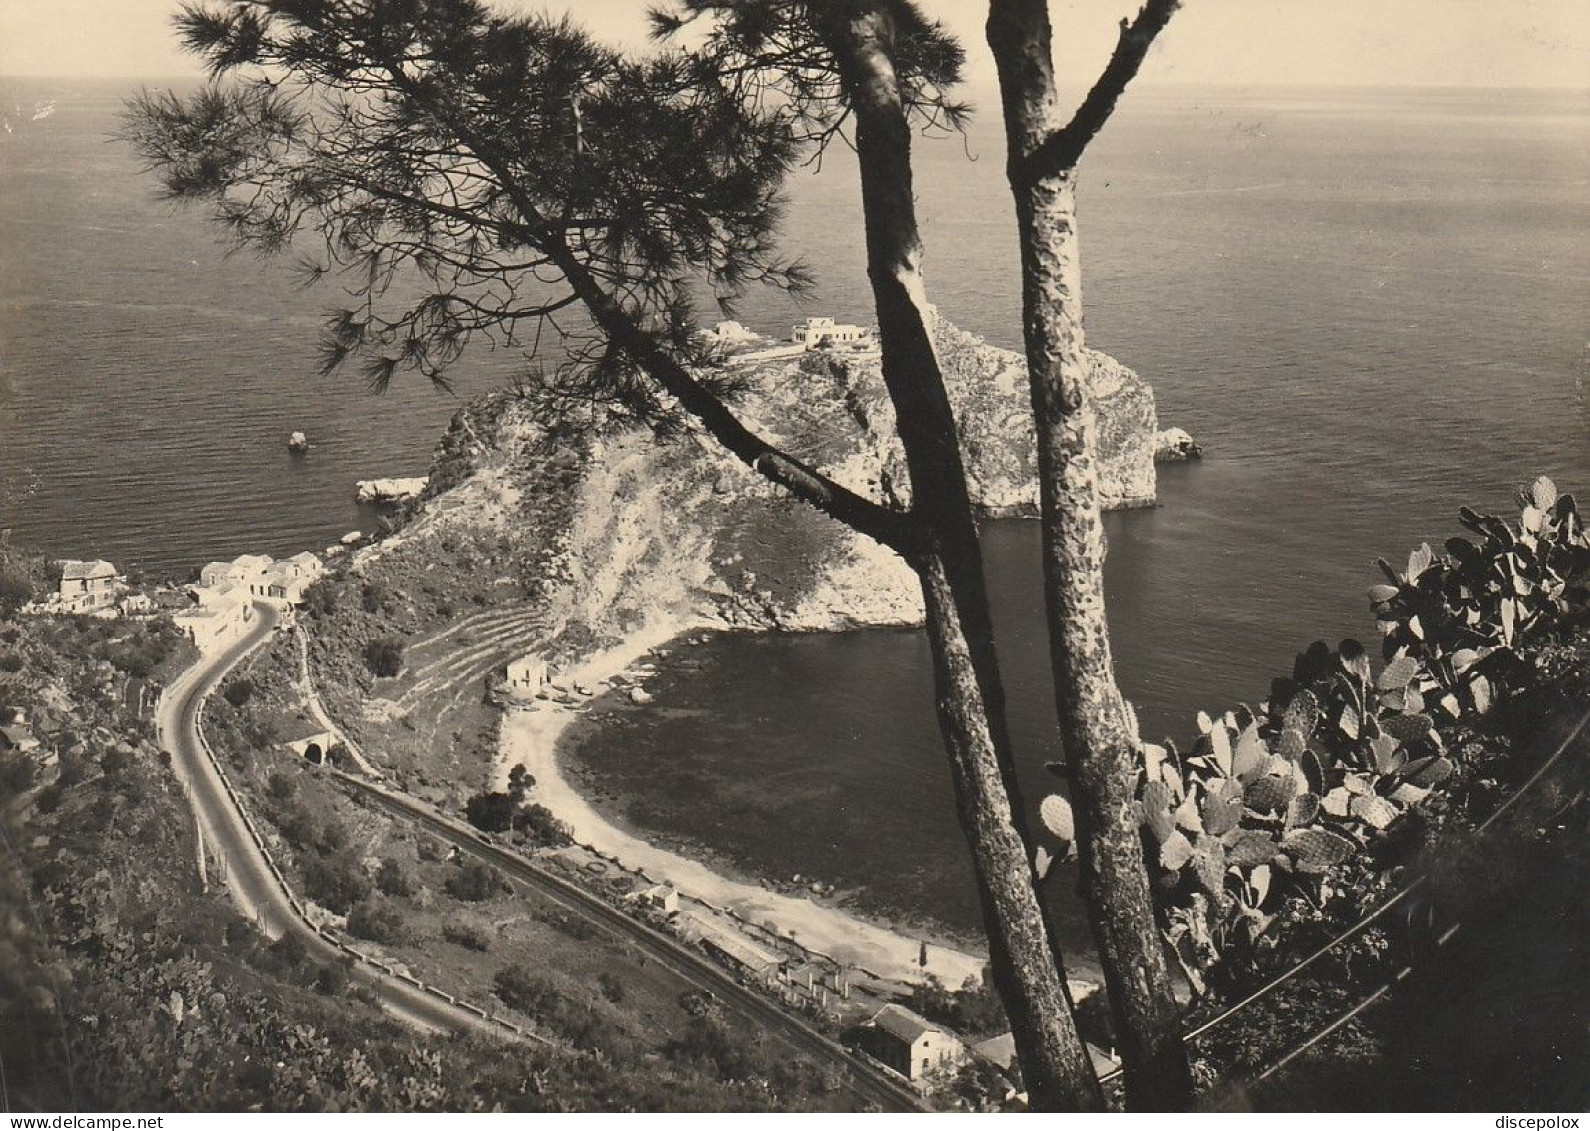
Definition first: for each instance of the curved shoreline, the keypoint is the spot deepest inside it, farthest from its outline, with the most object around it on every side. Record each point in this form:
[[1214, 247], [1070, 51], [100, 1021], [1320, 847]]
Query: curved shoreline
[[531, 736]]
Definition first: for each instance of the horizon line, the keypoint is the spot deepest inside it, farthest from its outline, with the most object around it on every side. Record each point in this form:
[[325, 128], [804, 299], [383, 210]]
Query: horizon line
[[1142, 84]]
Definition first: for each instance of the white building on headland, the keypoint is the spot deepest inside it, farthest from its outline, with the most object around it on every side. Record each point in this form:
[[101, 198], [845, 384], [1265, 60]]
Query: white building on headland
[[733, 332], [89, 587], [814, 332]]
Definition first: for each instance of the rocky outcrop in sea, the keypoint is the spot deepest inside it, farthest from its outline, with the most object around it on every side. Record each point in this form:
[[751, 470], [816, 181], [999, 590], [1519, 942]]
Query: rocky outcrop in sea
[[624, 530]]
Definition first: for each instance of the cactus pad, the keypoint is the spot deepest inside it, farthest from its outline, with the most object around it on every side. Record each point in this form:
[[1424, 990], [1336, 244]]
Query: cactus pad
[[1315, 850], [1249, 848], [1269, 794], [1376, 812]]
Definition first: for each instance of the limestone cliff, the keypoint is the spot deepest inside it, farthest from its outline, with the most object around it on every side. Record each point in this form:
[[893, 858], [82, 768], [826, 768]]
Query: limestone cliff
[[618, 533]]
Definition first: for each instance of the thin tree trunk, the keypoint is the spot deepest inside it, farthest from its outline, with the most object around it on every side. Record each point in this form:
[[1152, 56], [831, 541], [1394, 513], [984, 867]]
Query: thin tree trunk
[[1101, 752], [1026, 962]]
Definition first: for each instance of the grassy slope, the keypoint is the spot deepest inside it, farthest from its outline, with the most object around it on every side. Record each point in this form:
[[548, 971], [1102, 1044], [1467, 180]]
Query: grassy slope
[[125, 985]]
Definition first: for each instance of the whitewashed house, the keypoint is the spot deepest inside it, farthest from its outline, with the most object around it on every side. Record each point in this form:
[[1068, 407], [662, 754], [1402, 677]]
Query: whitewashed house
[[89, 587], [733, 332], [910, 1044], [812, 332], [528, 675], [284, 582], [246, 569], [18, 738], [209, 626], [658, 897], [224, 592]]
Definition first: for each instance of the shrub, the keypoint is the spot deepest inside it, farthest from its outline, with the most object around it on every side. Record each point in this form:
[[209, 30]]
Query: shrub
[[490, 812], [297, 827], [576, 1021], [538, 824], [466, 936], [239, 692], [378, 922], [473, 883], [16, 775], [392, 879], [612, 989], [333, 838], [521, 990], [10, 662], [337, 883], [116, 762], [16, 587], [321, 597], [333, 980], [290, 950], [281, 786], [373, 597], [384, 657]]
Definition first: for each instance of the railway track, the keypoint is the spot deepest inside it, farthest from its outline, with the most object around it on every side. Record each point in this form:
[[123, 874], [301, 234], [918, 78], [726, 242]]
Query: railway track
[[861, 1079]]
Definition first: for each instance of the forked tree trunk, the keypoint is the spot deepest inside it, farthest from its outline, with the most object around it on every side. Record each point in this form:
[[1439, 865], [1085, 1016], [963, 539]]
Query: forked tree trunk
[[1026, 962], [1101, 753]]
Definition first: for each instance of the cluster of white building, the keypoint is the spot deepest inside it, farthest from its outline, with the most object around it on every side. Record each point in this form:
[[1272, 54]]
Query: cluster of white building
[[810, 333], [226, 592]]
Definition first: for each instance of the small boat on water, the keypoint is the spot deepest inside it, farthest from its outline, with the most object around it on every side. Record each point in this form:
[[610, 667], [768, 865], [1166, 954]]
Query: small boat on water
[[298, 442]]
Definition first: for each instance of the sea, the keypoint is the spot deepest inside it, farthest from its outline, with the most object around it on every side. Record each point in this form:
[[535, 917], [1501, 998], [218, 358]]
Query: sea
[[1368, 305]]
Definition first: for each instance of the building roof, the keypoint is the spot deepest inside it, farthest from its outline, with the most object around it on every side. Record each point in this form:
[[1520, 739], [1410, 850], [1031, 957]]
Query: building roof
[[900, 1021], [252, 561], [1001, 1052], [83, 571], [732, 943], [17, 736]]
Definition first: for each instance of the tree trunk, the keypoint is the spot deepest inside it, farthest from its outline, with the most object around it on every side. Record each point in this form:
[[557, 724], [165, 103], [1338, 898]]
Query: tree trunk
[[1026, 962], [1101, 752]]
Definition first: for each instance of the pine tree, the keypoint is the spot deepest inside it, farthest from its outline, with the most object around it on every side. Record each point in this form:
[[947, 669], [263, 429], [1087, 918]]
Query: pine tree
[[512, 172]]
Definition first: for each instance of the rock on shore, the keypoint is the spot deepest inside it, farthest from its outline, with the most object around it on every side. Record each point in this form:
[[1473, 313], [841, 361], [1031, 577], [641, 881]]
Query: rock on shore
[[1174, 445], [390, 490]]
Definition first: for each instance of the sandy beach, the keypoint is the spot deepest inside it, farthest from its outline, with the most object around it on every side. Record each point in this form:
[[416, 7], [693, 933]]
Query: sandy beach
[[531, 735]]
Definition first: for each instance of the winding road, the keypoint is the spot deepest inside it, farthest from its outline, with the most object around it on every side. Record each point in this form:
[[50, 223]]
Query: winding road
[[255, 887], [261, 894]]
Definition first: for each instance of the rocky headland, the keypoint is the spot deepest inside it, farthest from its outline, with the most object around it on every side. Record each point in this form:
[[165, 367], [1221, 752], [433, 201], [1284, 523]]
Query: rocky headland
[[623, 529]]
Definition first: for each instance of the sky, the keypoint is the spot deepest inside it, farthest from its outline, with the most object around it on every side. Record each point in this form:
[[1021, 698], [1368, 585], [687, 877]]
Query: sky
[[1475, 43]]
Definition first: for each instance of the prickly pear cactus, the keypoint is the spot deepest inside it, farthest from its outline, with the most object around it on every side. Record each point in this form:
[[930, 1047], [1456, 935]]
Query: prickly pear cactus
[[1316, 850]]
